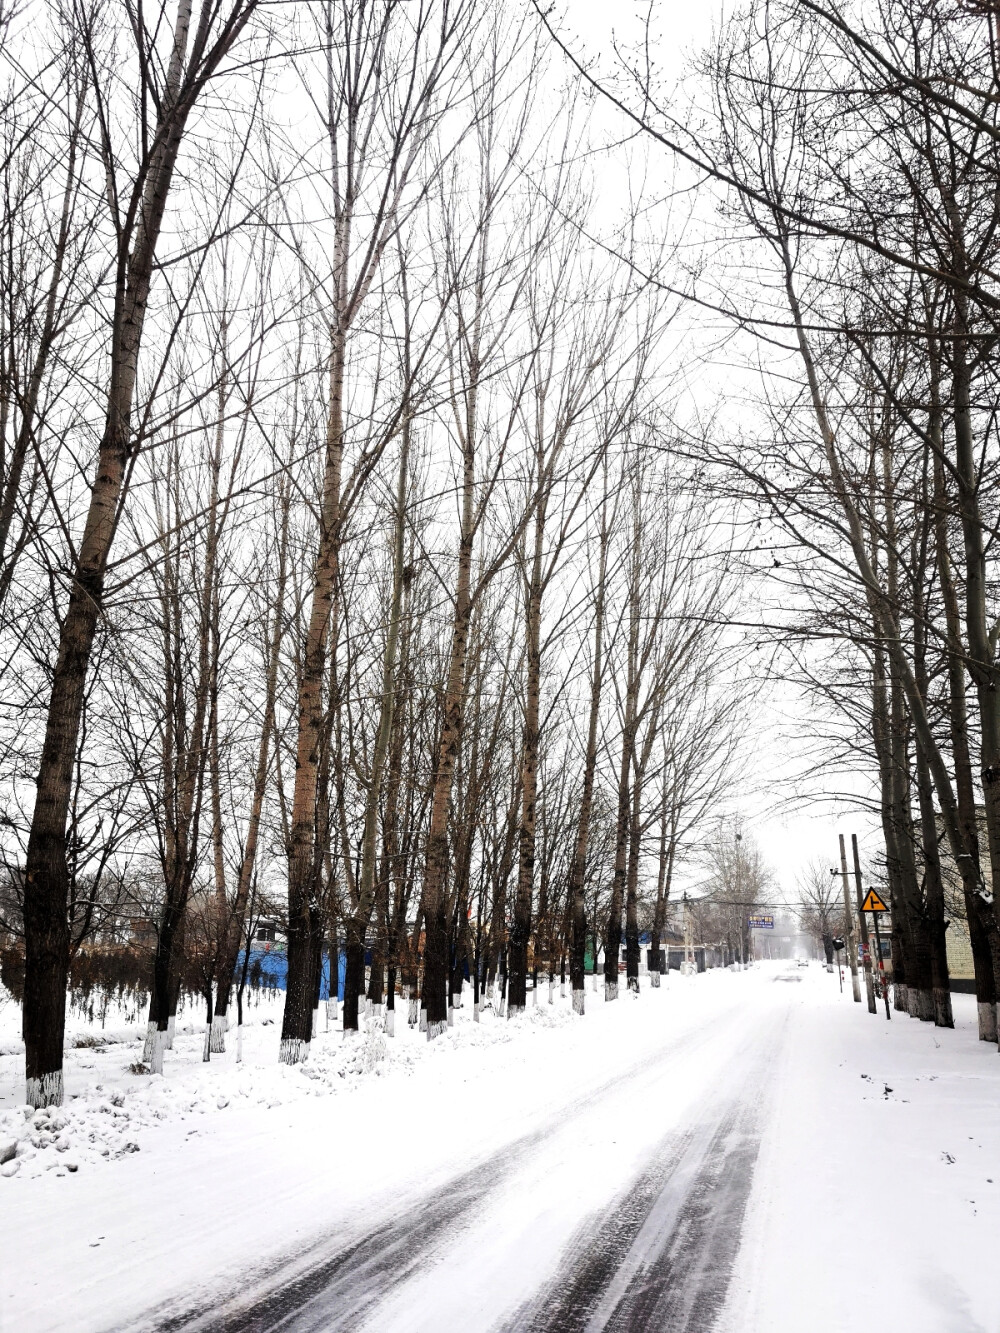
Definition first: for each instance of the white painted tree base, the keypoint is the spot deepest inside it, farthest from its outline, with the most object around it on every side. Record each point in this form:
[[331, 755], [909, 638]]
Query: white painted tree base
[[422, 1025], [331, 1011], [206, 1048], [217, 1041], [987, 1021], [160, 1040], [44, 1091], [315, 1028], [578, 1001], [435, 1029], [390, 1022], [451, 1017], [413, 1011], [147, 1050], [475, 1011], [171, 1029], [239, 1043], [654, 980], [293, 1051], [611, 990]]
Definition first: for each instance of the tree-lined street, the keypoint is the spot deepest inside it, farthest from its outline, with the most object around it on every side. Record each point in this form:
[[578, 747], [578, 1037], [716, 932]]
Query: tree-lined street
[[499, 663], [713, 1162]]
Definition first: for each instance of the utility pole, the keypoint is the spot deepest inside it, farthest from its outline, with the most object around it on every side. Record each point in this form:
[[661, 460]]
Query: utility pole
[[852, 939], [865, 948]]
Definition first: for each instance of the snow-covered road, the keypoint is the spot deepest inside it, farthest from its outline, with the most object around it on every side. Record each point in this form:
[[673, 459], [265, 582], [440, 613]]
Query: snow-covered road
[[746, 1152], [623, 1209]]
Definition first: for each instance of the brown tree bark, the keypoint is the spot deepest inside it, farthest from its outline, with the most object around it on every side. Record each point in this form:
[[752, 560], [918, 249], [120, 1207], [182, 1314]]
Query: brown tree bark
[[236, 918], [983, 936], [578, 870], [434, 898], [46, 881], [357, 922], [521, 932]]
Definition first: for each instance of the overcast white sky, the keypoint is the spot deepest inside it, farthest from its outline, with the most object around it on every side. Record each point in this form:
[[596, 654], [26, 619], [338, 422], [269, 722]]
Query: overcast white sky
[[803, 830]]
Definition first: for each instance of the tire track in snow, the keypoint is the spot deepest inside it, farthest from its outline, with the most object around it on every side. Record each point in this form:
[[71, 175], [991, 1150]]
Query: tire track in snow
[[661, 1259], [330, 1286]]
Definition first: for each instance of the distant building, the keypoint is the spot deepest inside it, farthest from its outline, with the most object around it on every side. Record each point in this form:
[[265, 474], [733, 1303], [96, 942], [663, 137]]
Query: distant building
[[266, 932], [961, 972]]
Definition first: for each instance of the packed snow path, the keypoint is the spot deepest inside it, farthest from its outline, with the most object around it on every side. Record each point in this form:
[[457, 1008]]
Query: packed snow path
[[722, 1154]]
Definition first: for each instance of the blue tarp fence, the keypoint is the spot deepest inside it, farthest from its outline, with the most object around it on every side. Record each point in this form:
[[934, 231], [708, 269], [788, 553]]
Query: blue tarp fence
[[269, 969]]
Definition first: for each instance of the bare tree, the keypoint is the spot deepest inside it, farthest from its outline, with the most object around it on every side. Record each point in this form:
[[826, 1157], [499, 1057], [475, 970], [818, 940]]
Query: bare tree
[[168, 92]]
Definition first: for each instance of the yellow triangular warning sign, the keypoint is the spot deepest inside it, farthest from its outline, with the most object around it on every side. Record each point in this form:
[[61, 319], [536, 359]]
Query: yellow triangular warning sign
[[873, 903]]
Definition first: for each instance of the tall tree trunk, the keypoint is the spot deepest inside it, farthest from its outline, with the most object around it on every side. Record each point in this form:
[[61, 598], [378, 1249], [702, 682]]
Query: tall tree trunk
[[665, 870], [632, 888], [296, 1025], [613, 936], [981, 921], [229, 953], [981, 660], [436, 870], [578, 871], [907, 911], [521, 933], [908, 920], [933, 918], [186, 760], [369, 844], [46, 880]]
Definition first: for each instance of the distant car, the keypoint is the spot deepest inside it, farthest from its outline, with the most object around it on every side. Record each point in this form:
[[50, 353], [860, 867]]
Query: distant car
[[803, 962]]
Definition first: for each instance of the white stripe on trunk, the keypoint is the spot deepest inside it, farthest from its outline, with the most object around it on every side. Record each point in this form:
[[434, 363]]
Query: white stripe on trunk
[[45, 1091], [218, 1038], [160, 1040], [293, 1051]]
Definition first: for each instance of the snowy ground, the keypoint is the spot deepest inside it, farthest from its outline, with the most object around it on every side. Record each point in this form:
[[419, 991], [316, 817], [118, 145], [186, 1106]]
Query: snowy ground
[[750, 1152]]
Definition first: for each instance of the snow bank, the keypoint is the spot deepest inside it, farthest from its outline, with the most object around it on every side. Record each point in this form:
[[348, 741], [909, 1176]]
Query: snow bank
[[112, 1101]]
